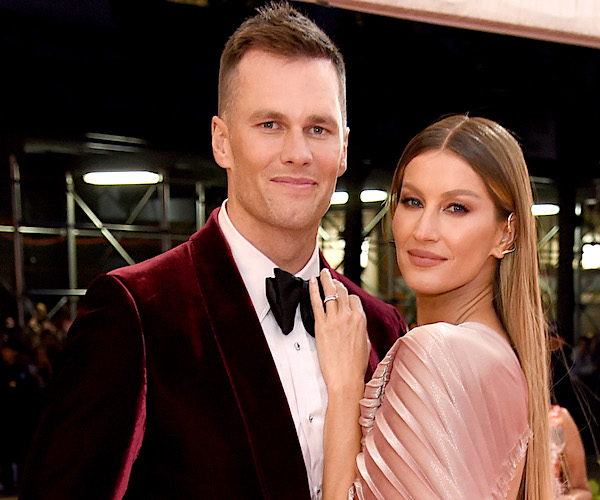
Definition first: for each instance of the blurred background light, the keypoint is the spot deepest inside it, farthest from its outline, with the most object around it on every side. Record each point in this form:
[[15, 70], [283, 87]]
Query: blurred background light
[[122, 178], [544, 209]]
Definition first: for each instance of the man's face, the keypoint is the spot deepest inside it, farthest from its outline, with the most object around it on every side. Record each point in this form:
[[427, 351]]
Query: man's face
[[282, 142]]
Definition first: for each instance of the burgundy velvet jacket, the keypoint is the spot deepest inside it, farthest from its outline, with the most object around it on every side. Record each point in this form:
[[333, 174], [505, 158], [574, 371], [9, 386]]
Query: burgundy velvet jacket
[[167, 388]]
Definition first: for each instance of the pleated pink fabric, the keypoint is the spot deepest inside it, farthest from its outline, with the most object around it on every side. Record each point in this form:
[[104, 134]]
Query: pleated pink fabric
[[444, 417]]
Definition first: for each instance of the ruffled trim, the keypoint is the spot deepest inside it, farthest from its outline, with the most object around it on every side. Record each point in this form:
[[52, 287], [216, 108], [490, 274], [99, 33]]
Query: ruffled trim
[[374, 389], [508, 469]]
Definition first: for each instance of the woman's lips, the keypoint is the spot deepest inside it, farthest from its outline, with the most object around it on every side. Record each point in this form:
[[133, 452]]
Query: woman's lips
[[423, 258]]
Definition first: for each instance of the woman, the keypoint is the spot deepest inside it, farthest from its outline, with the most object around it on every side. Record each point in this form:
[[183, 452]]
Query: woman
[[568, 456], [459, 407]]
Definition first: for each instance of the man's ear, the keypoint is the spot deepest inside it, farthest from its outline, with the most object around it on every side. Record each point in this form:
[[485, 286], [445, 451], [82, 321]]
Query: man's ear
[[220, 142], [344, 162], [507, 238]]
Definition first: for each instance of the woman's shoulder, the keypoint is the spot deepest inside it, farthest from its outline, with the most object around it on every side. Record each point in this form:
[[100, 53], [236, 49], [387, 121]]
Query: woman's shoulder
[[452, 409], [452, 332], [470, 339], [472, 352]]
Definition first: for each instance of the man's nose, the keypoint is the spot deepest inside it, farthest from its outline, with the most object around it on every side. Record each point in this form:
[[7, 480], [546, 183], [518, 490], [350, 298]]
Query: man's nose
[[296, 149]]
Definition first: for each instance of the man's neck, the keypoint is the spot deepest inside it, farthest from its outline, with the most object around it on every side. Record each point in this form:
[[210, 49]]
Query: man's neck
[[289, 249], [289, 254]]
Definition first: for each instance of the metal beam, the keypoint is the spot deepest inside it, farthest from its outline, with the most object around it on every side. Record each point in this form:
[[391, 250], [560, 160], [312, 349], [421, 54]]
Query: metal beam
[[15, 177], [71, 243], [353, 231], [147, 232], [105, 232], [59, 291], [200, 205], [375, 221], [164, 192], [548, 236], [141, 204]]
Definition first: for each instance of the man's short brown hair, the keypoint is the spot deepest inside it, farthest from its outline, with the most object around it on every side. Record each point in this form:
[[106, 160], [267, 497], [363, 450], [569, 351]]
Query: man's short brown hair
[[281, 30]]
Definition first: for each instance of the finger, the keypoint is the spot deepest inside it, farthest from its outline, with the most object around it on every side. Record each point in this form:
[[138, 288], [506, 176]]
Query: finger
[[357, 307], [330, 291], [342, 292], [327, 282], [355, 303], [315, 299]]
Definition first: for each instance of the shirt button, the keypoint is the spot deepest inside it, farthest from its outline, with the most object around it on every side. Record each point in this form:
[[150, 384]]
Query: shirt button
[[310, 419], [297, 346]]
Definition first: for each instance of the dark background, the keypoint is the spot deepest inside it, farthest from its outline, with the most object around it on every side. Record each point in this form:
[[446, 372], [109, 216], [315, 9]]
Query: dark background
[[148, 69]]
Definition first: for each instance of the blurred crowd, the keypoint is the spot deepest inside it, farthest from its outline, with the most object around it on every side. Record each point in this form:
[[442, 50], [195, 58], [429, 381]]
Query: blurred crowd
[[577, 381], [585, 359], [27, 357]]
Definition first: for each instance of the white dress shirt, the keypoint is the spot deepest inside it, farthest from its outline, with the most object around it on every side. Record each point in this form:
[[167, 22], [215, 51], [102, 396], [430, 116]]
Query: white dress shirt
[[295, 354]]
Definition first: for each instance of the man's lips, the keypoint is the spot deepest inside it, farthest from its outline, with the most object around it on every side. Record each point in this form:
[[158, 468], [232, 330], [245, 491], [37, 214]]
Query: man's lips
[[294, 181], [423, 258]]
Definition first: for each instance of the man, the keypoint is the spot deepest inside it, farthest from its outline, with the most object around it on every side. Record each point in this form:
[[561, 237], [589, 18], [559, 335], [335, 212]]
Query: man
[[177, 381]]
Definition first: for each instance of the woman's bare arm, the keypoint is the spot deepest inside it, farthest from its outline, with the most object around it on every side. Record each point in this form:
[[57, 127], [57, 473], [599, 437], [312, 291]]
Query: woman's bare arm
[[343, 349], [575, 456]]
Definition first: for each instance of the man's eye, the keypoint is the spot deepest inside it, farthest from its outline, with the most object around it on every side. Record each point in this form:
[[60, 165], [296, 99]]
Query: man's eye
[[269, 125], [318, 130]]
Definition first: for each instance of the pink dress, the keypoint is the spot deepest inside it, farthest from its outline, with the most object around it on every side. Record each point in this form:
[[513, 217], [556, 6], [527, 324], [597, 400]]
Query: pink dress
[[444, 417]]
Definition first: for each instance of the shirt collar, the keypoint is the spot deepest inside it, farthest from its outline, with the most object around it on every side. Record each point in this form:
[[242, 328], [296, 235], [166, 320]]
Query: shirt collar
[[254, 266]]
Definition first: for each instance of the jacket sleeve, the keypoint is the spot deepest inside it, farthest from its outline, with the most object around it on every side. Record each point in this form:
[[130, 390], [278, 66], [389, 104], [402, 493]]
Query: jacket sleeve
[[445, 416], [92, 428]]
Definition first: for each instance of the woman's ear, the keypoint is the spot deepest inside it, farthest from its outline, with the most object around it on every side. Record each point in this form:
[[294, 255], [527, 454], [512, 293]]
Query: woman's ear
[[507, 239], [220, 142]]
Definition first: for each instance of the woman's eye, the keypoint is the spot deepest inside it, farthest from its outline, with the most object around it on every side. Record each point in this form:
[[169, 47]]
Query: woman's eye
[[457, 208], [409, 202]]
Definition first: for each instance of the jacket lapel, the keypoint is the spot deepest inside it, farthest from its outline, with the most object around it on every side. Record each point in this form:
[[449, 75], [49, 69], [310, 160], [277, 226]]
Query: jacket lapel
[[250, 367]]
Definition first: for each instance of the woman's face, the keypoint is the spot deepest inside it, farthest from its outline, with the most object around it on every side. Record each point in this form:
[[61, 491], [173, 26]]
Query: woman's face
[[446, 226]]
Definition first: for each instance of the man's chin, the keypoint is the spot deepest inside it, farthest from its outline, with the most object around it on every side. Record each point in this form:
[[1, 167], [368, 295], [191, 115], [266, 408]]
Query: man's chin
[[296, 221]]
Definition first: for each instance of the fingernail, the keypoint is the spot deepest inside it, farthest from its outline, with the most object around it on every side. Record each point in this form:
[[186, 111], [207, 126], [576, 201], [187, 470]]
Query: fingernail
[[313, 279]]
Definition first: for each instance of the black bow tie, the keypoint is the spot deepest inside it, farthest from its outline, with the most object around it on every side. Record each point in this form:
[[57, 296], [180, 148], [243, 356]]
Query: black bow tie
[[284, 292]]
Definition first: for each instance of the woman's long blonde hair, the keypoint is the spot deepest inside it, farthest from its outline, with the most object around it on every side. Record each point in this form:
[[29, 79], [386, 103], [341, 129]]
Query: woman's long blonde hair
[[497, 157]]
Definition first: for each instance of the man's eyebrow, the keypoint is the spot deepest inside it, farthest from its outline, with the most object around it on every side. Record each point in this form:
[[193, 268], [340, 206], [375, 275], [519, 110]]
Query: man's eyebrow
[[329, 121], [321, 118], [266, 114], [315, 119]]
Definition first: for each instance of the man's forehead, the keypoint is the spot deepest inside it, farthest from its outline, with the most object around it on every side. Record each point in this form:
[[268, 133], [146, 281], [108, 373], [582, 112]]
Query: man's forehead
[[255, 52], [262, 73], [256, 57], [261, 77]]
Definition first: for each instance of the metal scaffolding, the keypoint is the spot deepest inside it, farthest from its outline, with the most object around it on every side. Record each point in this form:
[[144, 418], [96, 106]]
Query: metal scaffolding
[[112, 233]]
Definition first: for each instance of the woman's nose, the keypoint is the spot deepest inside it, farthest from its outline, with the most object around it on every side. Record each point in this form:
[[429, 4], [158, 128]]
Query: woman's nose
[[427, 226]]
